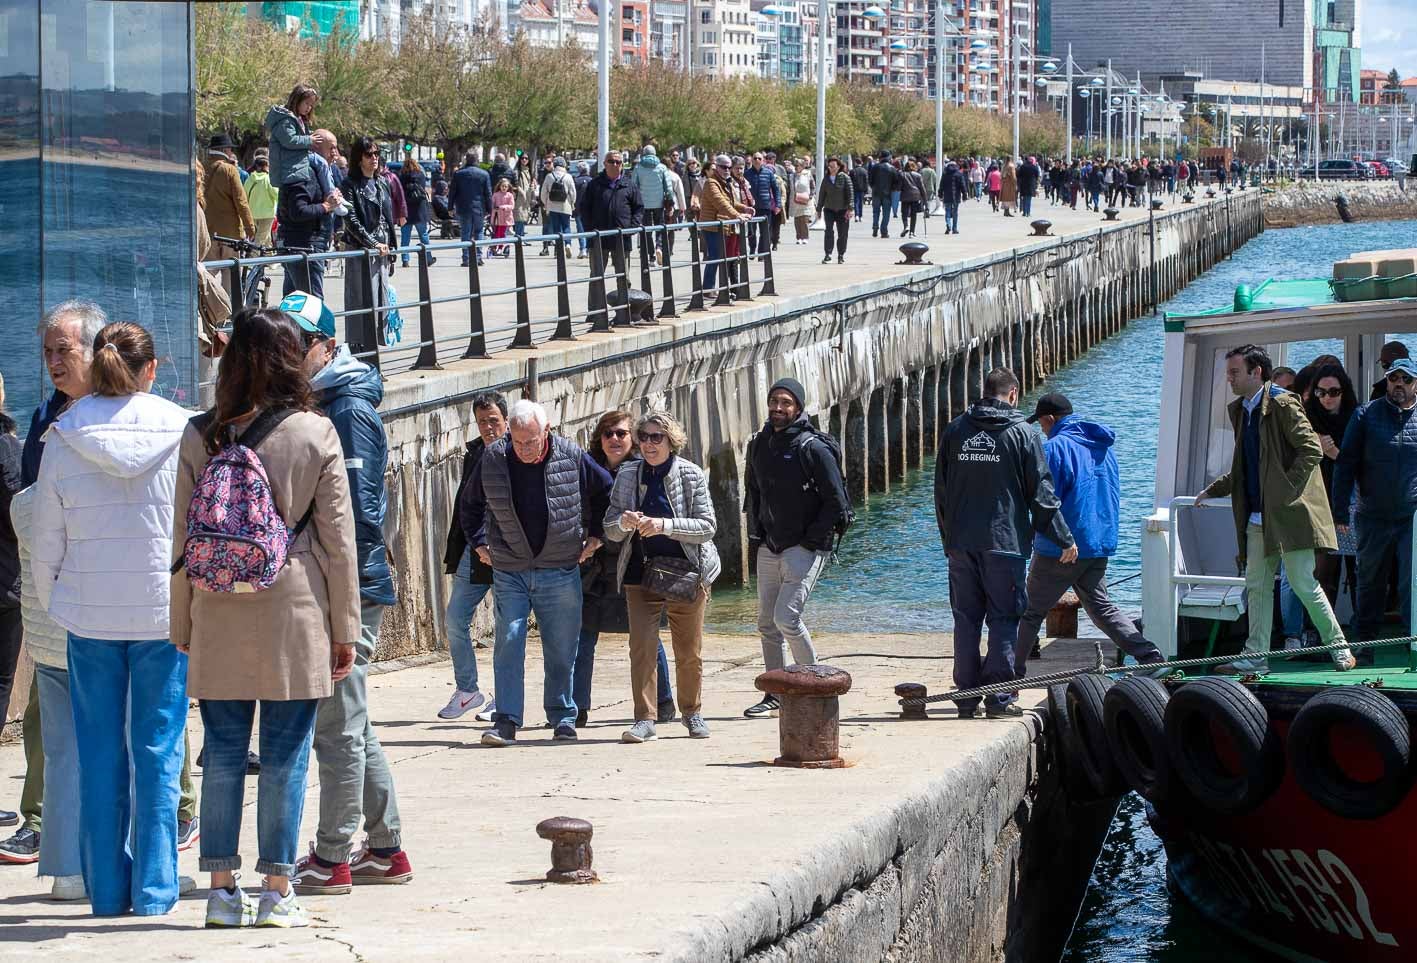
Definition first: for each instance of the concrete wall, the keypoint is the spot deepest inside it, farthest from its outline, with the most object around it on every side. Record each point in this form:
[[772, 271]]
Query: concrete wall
[[886, 364], [1310, 203]]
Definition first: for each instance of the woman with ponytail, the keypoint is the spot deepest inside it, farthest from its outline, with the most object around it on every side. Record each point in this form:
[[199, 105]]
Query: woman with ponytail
[[101, 546]]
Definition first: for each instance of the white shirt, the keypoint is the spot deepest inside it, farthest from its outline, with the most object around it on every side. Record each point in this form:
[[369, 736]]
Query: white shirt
[[1251, 404]]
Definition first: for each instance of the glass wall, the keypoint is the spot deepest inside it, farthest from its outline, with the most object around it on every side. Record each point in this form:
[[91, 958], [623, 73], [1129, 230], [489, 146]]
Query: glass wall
[[96, 134]]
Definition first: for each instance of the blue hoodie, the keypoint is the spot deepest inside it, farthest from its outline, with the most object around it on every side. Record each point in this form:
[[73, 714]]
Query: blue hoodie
[[349, 391], [1087, 482]]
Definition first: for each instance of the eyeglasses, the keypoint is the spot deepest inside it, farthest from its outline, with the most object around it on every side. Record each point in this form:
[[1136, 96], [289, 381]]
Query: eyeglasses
[[609, 433], [651, 437], [612, 163], [723, 167], [1328, 392], [1397, 377]]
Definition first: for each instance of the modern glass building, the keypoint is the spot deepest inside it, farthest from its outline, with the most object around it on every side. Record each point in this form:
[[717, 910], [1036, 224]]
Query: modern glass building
[[96, 153]]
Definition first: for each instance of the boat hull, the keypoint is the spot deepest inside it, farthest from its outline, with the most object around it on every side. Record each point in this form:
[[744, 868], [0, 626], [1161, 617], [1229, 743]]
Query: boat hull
[[1294, 879]]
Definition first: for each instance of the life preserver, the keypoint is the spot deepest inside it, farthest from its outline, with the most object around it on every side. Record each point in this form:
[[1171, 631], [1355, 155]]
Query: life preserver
[[1135, 716], [1368, 715], [1088, 750], [1258, 759]]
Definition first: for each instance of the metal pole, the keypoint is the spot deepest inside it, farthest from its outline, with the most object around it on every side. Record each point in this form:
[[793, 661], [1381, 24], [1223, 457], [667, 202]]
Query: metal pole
[[939, 87], [1071, 94], [823, 11], [1138, 123], [602, 129], [1107, 113], [1013, 78]]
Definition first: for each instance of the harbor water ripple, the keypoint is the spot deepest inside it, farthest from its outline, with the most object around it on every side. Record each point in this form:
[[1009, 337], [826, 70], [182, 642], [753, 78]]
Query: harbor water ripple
[[892, 576]]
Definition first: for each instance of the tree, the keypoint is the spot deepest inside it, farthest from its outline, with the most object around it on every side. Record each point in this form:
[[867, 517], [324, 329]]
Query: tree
[[656, 104], [551, 104], [243, 66], [1394, 80], [356, 98], [754, 114], [845, 133]]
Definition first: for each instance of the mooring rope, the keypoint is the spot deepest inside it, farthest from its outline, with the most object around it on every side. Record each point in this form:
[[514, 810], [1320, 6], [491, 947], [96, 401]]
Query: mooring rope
[[1034, 682]]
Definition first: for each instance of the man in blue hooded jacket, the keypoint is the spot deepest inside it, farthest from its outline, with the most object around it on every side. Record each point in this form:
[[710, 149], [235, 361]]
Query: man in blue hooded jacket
[[355, 778], [1086, 481]]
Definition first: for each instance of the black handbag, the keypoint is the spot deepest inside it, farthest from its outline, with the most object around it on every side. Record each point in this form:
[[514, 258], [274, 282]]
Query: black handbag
[[673, 577]]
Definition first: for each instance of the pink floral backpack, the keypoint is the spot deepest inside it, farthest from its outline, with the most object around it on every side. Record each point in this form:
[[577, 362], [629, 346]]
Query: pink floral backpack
[[237, 540]]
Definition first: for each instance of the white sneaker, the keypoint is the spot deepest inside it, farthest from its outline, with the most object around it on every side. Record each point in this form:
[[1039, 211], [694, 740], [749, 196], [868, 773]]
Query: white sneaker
[[280, 911], [185, 885], [1292, 643], [462, 703], [485, 713], [68, 888], [230, 909]]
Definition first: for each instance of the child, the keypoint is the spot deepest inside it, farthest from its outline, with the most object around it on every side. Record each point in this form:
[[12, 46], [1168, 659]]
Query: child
[[504, 204]]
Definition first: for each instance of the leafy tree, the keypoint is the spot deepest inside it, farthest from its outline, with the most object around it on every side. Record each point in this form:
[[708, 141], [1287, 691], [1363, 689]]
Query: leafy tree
[[243, 66], [356, 96], [656, 104], [845, 132]]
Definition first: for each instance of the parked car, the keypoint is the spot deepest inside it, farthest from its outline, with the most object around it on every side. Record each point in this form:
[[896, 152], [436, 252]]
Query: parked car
[[1343, 170], [1380, 169]]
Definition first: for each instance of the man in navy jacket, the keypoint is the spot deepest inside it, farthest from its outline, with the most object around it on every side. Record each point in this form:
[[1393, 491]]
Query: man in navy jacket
[[1086, 481], [471, 197]]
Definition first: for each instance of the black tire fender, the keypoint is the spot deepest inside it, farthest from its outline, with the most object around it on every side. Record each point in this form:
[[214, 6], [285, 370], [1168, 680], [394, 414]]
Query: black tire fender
[[1227, 705], [1318, 773], [1089, 751], [1060, 745], [1134, 713]]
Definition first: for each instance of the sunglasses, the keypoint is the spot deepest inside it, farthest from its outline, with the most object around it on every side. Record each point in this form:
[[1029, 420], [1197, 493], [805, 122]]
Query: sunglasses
[[651, 437], [1397, 377], [612, 163], [1328, 392], [615, 433]]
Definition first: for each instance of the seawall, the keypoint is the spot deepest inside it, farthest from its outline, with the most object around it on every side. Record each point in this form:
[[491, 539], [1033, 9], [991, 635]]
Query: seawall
[[1309, 203]]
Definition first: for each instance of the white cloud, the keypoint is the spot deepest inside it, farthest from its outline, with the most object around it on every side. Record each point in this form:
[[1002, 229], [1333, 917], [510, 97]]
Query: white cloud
[[1388, 26]]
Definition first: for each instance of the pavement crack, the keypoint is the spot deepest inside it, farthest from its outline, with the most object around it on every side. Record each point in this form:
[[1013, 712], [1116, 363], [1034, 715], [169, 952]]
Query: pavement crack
[[345, 943]]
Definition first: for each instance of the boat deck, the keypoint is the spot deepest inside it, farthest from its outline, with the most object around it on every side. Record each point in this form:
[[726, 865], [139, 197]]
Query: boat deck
[[1390, 666]]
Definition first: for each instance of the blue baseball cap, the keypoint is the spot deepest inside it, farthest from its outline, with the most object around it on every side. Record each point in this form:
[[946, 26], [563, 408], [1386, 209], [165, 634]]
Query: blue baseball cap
[[310, 313], [1406, 365]]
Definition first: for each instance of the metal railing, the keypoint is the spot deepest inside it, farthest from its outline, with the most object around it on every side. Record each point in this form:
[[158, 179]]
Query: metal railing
[[498, 314]]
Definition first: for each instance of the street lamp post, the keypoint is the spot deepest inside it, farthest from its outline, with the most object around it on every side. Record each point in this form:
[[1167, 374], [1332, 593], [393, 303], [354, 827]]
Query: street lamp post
[[823, 12], [602, 126]]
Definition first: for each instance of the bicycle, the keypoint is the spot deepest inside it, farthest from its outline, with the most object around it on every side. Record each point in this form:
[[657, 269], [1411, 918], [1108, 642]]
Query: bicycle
[[255, 286]]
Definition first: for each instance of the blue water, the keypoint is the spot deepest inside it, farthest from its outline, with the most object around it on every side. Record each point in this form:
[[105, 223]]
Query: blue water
[[892, 576]]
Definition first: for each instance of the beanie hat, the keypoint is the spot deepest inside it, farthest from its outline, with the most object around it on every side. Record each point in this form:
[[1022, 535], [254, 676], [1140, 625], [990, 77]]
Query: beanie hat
[[649, 149], [792, 387]]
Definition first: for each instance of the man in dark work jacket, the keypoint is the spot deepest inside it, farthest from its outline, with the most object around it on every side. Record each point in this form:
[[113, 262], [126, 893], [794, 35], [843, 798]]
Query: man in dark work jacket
[[534, 509]]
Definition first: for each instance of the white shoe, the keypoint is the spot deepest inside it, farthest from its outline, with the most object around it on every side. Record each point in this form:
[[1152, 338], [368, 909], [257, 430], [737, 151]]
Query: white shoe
[[462, 703], [485, 713], [1292, 643], [280, 911], [185, 885], [68, 889], [230, 909]]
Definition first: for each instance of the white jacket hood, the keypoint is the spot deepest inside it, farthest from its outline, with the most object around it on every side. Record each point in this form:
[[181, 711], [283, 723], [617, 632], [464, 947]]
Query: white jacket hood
[[126, 436]]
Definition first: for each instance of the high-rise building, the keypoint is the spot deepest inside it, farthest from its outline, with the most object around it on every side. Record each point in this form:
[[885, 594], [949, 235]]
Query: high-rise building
[[724, 40]]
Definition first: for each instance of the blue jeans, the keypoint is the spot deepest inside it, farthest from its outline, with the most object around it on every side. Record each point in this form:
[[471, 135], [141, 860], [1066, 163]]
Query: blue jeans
[[1025, 204], [952, 216], [554, 594], [859, 199], [130, 704], [286, 731], [519, 228], [985, 588], [408, 230], [471, 230], [713, 252], [298, 278], [580, 229], [1377, 538], [895, 203], [585, 670], [880, 215], [554, 223], [462, 603], [59, 842]]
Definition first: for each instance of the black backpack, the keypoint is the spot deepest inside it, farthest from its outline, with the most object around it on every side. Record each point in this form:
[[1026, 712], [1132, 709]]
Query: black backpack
[[833, 446], [557, 191], [413, 190]]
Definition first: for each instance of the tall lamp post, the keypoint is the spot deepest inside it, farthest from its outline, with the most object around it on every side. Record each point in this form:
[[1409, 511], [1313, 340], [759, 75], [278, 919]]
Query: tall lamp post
[[823, 19], [940, 79], [602, 125]]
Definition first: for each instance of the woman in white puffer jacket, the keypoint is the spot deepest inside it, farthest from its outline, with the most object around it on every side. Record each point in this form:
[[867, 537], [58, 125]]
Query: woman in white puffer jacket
[[100, 553]]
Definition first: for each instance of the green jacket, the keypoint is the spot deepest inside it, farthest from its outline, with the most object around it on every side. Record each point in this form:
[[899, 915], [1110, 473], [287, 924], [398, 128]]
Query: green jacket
[[1296, 512], [261, 195]]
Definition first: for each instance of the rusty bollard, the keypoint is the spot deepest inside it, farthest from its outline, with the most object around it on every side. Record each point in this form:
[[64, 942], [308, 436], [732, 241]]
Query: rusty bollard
[[570, 849], [1063, 618], [807, 723], [911, 690]]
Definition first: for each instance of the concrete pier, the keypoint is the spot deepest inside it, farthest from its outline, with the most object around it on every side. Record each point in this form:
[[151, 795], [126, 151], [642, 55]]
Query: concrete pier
[[943, 840]]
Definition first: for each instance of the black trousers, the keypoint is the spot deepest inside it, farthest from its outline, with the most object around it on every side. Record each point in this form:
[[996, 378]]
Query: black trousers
[[11, 635], [837, 226]]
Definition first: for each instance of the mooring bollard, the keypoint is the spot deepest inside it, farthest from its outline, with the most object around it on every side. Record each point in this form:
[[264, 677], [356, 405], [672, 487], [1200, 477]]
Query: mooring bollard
[[1041, 227], [570, 849], [914, 252], [912, 690], [807, 729], [1063, 618], [1110, 213]]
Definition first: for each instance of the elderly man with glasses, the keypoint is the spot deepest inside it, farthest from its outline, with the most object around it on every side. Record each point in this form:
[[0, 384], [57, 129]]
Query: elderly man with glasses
[[610, 202], [1379, 455]]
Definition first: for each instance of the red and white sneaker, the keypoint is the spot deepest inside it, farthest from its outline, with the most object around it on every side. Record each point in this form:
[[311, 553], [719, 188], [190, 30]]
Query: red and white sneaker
[[368, 868], [312, 879]]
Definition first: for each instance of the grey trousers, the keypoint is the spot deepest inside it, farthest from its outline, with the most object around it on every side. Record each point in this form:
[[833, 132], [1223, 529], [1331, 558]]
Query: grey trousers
[[1049, 578], [785, 580], [355, 778]]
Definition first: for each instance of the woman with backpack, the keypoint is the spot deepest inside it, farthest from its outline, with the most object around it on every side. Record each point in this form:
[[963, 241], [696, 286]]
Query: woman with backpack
[[101, 539], [275, 626], [414, 181]]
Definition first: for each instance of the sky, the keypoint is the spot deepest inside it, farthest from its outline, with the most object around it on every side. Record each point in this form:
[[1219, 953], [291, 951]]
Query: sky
[[1388, 28]]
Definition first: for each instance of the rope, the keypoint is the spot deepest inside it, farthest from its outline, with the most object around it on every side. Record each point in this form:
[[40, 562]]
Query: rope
[[1034, 682]]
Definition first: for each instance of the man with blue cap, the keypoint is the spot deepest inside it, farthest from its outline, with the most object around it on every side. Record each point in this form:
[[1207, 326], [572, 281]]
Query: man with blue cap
[[355, 778]]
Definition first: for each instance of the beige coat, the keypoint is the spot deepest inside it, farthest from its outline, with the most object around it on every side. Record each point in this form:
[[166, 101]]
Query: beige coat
[[275, 644]]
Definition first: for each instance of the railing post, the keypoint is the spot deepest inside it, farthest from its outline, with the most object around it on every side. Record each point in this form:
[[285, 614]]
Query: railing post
[[428, 353], [563, 295], [742, 289], [597, 302], [646, 246], [523, 338], [477, 343], [233, 286], [726, 268], [621, 263], [668, 309], [696, 270], [769, 288]]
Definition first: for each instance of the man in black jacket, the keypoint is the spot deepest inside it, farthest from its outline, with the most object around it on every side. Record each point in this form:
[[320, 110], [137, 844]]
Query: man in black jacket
[[953, 189], [472, 578], [796, 504], [884, 179], [611, 202], [992, 491], [306, 212], [860, 186], [1028, 177]]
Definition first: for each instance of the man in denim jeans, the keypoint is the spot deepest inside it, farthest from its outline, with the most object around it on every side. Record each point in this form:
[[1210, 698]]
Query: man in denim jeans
[[356, 783], [472, 579], [796, 503], [534, 509]]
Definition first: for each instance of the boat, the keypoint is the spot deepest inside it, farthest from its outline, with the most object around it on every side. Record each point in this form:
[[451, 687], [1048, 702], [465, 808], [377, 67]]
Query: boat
[[1285, 800]]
